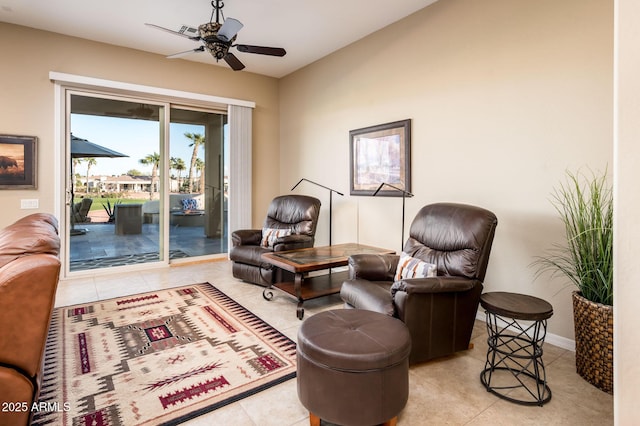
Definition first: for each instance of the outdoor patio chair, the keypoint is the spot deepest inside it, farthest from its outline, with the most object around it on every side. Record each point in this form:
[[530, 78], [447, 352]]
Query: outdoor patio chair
[[81, 211]]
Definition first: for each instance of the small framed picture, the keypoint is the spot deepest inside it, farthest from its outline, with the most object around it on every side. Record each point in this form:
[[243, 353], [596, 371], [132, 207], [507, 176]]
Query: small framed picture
[[381, 155], [18, 162]]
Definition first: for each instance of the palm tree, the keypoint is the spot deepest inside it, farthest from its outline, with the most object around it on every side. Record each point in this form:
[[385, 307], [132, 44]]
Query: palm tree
[[196, 140], [200, 168], [154, 161], [90, 162], [75, 162], [178, 165]]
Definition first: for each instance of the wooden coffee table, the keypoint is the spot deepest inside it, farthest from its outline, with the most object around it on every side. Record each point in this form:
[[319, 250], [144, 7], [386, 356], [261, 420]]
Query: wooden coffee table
[[303, 261]]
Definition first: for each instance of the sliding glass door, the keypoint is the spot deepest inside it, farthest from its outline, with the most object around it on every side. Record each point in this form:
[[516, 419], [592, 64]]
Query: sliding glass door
[[140, 191], [197, 195], [115, 148]]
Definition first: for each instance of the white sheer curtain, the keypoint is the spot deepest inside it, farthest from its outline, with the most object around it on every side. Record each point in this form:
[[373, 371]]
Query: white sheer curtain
[[240, 168]]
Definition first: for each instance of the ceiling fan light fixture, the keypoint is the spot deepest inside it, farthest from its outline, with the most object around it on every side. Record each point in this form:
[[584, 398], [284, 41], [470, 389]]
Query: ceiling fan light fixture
[[209, 31], [218, 50], [218, 38], [229, 30], [215, 46]]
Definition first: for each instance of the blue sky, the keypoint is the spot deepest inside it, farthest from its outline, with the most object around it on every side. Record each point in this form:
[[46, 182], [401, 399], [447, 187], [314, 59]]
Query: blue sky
[[135, 138]]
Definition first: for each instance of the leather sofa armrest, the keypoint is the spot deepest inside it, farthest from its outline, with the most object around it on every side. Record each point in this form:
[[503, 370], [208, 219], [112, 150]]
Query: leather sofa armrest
[[28, 287], [434, 285], [373, 267], [18, 390], [293, 242], [246, 237]]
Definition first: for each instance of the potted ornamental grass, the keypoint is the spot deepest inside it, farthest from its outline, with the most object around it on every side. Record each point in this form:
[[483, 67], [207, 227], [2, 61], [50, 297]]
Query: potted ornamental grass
[[585, 205]]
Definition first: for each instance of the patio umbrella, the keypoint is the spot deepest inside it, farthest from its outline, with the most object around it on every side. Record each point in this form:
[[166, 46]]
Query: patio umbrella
[[82, 148]]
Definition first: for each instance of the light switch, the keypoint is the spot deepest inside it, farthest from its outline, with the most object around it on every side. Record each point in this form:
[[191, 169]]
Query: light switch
[[29, 203]]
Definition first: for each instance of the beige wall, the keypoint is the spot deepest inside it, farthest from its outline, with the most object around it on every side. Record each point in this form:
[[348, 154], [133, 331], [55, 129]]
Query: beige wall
[[27, 106], [504, 96], [627, 227]]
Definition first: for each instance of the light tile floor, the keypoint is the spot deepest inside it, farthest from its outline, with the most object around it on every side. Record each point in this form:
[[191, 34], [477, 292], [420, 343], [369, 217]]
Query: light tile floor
[[446, 391]]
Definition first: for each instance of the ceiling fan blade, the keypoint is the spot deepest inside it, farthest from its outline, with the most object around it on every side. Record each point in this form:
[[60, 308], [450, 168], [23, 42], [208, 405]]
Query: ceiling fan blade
[[229, 29], [233, 62], [158, 27], [187, 52], [261, 50]]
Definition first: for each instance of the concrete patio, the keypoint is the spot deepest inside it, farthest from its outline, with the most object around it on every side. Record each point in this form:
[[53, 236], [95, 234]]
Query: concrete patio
[[101, 247]]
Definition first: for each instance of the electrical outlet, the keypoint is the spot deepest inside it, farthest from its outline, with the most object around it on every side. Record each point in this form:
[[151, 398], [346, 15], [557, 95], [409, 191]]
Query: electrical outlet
[[29, 204]]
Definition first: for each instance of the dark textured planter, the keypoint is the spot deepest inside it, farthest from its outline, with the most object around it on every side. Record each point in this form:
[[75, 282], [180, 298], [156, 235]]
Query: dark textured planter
[[594, 342]]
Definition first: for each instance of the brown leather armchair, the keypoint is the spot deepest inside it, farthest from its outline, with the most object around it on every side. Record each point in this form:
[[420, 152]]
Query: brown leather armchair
[[439, 311], [290, 224]]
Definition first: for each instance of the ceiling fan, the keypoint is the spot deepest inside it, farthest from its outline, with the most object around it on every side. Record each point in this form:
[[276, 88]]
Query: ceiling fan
[[218, 38]]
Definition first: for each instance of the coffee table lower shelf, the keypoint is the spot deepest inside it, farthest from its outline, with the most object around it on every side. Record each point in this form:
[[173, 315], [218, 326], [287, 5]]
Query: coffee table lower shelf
[[312, 288]]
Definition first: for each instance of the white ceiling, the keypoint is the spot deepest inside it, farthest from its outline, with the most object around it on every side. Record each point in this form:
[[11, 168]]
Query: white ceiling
[[308, 30]]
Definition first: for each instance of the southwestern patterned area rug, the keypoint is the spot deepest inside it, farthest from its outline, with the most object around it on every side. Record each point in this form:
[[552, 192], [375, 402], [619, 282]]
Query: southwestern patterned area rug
[[157, 358]]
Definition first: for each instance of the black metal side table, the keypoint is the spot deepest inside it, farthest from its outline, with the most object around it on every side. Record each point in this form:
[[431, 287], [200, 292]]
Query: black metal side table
[[517, 326]]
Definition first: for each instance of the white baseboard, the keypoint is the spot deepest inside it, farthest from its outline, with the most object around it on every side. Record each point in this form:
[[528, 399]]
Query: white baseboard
[[552, 339]]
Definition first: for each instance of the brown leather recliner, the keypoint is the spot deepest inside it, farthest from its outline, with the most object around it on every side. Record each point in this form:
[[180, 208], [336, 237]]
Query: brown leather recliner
[[29, 269], [295, 215], [439, 311]]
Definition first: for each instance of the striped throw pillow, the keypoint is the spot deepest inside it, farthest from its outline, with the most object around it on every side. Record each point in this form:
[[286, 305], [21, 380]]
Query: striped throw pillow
[[270, 235], [410, 267]]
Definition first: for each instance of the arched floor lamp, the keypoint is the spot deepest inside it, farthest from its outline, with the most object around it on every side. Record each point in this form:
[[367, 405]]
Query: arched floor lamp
[[405, 194], [331, 191]]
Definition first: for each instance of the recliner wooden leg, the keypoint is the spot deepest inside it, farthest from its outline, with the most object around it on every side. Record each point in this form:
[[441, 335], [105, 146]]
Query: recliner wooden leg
[[314, 420]]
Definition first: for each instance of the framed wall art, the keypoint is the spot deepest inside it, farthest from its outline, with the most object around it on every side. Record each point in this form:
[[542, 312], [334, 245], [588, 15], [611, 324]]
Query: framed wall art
[[381, 154], [18, 162]]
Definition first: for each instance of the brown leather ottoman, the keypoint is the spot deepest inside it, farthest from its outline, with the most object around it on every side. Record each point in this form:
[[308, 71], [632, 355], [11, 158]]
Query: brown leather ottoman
[[353, 367]]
